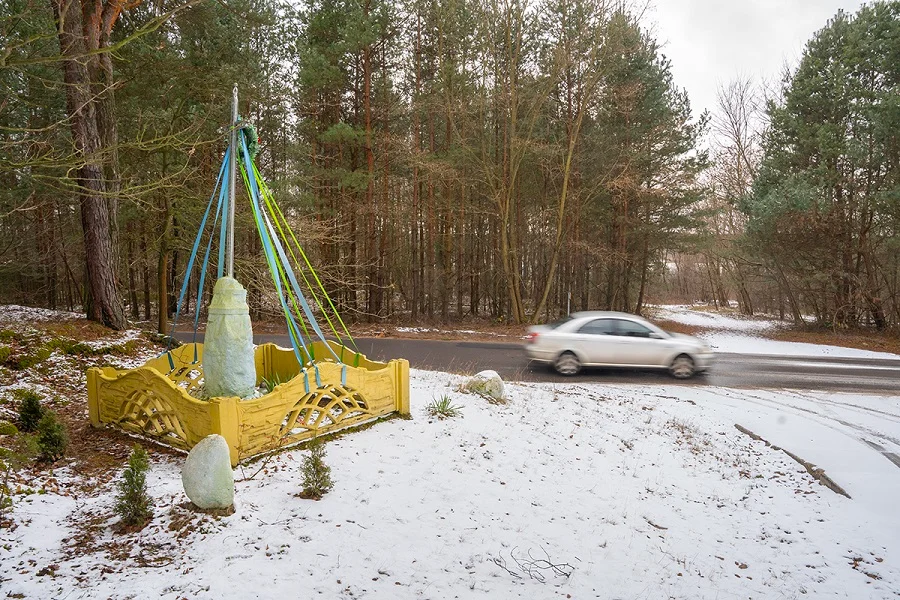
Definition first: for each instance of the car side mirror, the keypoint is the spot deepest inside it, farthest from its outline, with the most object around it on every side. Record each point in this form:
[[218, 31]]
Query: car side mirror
[[655, 336]]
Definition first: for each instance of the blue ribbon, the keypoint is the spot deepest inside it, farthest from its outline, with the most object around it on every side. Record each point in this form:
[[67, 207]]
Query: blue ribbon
[[223, 230], [203, 269], [273, 267], [284, 260], [190, 265]]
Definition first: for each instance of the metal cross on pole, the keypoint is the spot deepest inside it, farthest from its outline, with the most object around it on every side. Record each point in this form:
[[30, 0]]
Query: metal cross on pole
[[232, 175]]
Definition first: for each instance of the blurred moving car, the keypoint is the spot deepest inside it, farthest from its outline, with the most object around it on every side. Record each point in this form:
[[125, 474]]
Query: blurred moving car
[[615, 339]]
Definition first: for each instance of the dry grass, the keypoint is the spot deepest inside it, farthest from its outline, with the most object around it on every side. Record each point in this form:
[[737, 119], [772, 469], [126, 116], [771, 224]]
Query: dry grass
[[679, 327], [79, 329]]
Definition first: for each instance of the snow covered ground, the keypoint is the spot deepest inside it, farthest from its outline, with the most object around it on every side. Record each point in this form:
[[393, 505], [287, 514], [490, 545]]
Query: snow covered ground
[[747, 344], [635, 493], [744, 336], [692, 316], [13, 313]]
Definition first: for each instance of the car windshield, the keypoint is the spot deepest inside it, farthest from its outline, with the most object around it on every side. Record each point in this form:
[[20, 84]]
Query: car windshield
[[556, 324]]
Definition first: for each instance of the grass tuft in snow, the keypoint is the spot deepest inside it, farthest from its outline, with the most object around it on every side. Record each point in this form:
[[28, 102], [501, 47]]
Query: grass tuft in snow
[[443, 408]]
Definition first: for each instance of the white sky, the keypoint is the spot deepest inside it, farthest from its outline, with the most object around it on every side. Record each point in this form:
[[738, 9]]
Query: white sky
[[711, 42]]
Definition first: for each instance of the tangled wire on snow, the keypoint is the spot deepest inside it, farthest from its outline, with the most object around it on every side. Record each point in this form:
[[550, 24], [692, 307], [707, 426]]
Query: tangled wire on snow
[[534, 568]]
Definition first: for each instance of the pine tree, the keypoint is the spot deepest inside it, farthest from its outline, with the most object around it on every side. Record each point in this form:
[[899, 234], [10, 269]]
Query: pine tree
[[133, 504], [824, 214], [52, 438], [316, 474], [30, 411]]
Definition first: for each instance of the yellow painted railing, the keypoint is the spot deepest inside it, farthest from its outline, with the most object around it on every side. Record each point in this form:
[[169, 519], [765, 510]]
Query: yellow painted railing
[[157, 400]]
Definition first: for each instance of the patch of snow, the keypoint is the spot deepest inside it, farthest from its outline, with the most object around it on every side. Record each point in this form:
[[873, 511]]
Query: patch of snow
[[447, 331], [119, 338], [414, 329], [12, 313], [746, 344], [639, 493], [26, 383], [690, 316], [832, 431], [490, 333]]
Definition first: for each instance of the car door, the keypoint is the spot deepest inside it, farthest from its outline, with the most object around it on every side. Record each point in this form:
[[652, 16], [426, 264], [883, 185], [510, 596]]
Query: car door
[[597, 341], [638, 344]]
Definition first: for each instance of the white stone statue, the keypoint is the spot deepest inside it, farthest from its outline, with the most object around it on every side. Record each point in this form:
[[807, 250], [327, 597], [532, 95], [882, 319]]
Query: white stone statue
[[228, 364]]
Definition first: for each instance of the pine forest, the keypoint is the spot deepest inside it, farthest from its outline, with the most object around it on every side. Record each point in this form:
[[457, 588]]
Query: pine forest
[[499, 160]]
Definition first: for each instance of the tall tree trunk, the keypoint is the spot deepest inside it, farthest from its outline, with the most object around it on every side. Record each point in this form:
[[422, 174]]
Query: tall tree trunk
[[132, 280], [369, 246], [162, 271], [105, 306], [145, 272], [98, 18]]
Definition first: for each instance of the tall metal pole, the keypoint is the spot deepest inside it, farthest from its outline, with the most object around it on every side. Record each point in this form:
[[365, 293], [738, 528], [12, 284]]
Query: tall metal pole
[[232, 175]]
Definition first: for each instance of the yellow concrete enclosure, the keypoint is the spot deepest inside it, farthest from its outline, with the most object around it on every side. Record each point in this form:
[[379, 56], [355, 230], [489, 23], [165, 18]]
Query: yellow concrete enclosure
[[161, 402]]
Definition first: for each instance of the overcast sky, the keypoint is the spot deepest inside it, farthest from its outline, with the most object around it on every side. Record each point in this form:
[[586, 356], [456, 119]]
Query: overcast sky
[[713, 41]]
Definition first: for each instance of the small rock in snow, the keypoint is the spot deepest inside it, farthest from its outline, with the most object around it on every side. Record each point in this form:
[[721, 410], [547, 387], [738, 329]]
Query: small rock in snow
[[487, 383]]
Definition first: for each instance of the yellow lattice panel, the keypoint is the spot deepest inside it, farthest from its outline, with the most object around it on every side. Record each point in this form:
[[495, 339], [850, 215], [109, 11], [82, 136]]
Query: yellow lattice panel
[[158, 400], [146, 402], [322, 407], [152, 413]]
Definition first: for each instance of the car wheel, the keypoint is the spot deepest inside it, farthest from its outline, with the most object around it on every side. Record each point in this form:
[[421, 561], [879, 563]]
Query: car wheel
[[567, 364], [682, 367]]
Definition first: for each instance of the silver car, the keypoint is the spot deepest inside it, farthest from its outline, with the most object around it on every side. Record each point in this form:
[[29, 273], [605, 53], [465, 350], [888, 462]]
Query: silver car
[[615, 339]]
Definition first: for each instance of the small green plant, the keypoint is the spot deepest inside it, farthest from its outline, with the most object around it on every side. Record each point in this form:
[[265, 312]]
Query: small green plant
[[133, 504], [7, 428], [5, 351], [443, 408], [30, 409], [27, 361], [5, 491], [316, 474], [275, 379], [52, 438]]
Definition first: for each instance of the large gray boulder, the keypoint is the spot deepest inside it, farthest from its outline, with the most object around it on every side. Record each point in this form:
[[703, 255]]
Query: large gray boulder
[[207, 476]]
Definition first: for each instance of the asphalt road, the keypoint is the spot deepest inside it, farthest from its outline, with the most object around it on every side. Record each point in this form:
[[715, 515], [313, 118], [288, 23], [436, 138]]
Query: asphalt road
[[730, 370]]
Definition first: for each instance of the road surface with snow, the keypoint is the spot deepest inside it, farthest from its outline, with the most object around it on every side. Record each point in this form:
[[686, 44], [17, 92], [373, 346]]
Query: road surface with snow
[[823, 372]]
